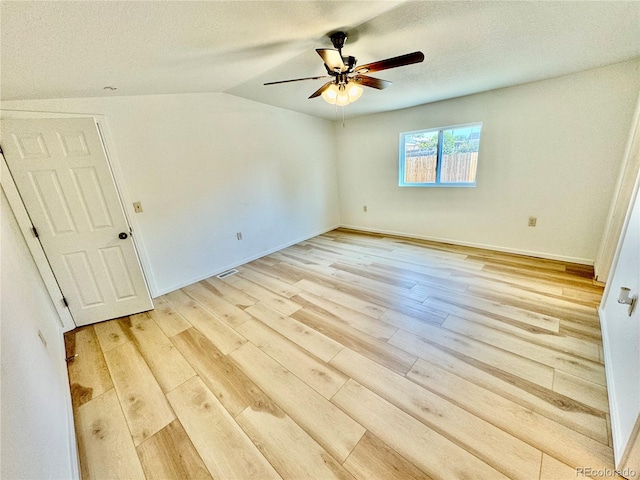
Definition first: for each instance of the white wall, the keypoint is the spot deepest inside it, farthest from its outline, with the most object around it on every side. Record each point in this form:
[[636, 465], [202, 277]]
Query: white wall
[[629, 168], [551, 149], [206, 166], [35, 409]]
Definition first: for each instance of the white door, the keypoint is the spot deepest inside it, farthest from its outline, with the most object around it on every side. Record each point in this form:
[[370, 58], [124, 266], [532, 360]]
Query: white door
[[64, 179], [621, 337]]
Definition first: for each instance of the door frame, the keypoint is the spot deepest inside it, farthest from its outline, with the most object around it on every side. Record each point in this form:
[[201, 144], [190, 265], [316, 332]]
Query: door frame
[[631, 457], [65, 319], [24, 221], [620, 450], [606, 257]]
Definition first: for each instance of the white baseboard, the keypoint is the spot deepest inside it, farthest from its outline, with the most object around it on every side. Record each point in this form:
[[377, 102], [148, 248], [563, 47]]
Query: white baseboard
[[74, 458], [549, 256], [581, 261], [238, 263]]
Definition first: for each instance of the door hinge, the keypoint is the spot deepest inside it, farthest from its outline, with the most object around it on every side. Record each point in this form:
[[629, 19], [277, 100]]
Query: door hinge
[[64, 300], [35, 232]]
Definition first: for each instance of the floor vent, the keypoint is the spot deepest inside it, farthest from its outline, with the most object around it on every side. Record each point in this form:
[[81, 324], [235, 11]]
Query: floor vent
[[228, 273]]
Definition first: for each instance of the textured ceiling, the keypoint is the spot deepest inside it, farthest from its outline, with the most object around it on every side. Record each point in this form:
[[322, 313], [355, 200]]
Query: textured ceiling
[[74, 49]]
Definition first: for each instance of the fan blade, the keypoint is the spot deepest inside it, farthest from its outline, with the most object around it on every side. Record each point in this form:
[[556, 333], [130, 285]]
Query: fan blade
[[297, 80], [332, 59], [372, 82], [402, 60], [318, 92]]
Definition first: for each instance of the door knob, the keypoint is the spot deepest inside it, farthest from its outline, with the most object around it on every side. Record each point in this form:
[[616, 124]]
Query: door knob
[[122, 236], [625, 299]]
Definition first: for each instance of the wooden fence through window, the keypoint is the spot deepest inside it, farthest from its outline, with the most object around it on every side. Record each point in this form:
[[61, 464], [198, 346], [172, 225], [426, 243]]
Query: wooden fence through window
[[456, 168]]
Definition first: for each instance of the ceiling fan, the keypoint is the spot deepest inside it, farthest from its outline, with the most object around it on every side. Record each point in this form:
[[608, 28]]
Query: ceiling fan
[[346, 85]]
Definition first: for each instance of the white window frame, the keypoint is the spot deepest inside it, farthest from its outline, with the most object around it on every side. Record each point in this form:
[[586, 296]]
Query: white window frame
[[438, 183]]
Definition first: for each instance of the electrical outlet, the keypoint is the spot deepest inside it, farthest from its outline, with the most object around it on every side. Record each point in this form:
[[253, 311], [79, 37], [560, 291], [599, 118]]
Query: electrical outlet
[[137, 207], [364, 209], [239, 235], [532, 221]]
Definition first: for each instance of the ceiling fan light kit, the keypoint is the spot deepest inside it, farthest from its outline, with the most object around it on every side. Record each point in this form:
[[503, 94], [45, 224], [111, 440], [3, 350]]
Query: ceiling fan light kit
[[342, 95], [345, 86]]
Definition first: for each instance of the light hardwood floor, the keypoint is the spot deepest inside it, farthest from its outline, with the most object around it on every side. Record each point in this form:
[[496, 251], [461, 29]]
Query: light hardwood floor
[[352, 356]]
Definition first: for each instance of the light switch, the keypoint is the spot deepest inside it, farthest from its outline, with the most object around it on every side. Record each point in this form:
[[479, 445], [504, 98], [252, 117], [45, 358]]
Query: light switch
[[137, 206]]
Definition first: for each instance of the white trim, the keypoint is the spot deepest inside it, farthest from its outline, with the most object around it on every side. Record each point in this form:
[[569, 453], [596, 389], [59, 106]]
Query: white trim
[[549, 256], [618, 441], [65, 319], [127, 202], [74, 458], [623, 232], [118, 178], [45, 114], [446, 127], [243, 261], [402, 158], [604, 265], [66, 322]]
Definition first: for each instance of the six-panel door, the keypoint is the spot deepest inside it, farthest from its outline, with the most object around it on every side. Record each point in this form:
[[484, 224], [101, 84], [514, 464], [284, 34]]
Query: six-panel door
[[62, 174]]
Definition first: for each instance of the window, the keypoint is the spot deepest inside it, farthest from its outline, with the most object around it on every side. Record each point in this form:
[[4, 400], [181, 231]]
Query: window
[[440, 157]]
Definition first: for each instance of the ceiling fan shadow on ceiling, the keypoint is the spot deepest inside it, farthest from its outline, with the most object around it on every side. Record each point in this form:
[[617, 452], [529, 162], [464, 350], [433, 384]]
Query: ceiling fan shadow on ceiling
[[346, 85]]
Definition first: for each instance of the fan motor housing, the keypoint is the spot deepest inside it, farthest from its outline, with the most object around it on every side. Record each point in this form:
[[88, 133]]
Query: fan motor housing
[[338, 39], [350, 62]]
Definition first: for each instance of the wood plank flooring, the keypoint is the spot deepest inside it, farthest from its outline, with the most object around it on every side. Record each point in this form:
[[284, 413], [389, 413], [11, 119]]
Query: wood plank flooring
[[352, 356]]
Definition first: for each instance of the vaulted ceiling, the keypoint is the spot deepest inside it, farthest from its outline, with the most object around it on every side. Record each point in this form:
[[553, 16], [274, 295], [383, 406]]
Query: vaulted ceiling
[[74, 49]]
